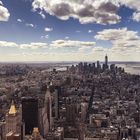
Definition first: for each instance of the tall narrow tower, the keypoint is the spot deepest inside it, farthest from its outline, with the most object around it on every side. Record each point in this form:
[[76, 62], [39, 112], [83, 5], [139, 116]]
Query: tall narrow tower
[[56, 104], [48, 106], [106, 61], [58, 91], [13, 120]]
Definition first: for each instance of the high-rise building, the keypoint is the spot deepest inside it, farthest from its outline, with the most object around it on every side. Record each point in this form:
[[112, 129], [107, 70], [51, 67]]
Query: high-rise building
[[48, 107], [71, 111], [13, 120], [80, 67], [56, 103], [98, 67], [84, 107], [57, 96], [30, 113], [106, 61], [43, 122], [93, 67], [112, 68]]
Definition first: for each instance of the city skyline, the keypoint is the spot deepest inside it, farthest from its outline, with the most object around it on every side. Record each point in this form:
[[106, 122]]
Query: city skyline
[[76, 30]]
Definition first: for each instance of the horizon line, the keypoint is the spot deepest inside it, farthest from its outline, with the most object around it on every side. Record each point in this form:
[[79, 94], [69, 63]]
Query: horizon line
[[67, 61]]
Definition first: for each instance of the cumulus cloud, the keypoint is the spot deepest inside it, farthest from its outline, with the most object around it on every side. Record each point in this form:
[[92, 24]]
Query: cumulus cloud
[[135, 5], [56, 44], [86, 11], [30, 25], [99, 49], [8, 44], [44, 37], [90, 31], [33, 45], [119, 37], [19, 20], [4, 13], [47, 29], [125, 44], [42, 14], [71, 43], [136, 16]]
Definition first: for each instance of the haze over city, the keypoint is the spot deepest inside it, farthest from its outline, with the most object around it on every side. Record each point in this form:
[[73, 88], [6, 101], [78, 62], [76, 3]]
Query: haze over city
[[69, 30], [69, 69]]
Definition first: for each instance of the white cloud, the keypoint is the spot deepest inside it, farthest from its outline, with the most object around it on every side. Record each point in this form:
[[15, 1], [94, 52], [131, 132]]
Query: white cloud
[[4, 13], [67, 37], [42, 15], [86, 51], [117, 34], [38, 45], [71, 43], [99, 49], [120, 37], [19, 20], [86, 11], [33, 45], [46, 36], [8, 44], [47, 29], [136, 16], [30, 25], [90, 31], [135, 5], [1, 3]]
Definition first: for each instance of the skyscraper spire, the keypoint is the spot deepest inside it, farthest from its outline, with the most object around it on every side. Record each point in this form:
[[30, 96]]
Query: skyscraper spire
[[12, 110]]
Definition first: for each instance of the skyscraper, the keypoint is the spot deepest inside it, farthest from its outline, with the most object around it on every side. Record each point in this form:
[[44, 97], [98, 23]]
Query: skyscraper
[[13, 120], [48, 107], [98, 67], [29, 113], [56, 103], [58, 91], [43, 119], [106, 61], [71, 110]]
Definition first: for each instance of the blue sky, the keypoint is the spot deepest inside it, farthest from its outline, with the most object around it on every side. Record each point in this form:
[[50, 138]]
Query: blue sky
[[58, 30]]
